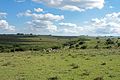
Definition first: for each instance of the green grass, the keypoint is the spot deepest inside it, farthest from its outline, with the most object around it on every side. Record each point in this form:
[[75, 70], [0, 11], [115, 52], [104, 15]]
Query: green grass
[[12, 43], [61, 65], [65, 61], [9, 43]]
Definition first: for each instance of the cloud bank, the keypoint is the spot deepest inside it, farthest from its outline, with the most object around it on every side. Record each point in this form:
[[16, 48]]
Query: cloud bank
[[109, 24], [20, 1], [4, 24], [42, 22], [73, 5]]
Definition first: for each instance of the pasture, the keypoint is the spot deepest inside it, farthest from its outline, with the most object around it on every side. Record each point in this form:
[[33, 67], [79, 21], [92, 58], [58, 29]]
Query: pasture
[[70, 64], [46, 57]]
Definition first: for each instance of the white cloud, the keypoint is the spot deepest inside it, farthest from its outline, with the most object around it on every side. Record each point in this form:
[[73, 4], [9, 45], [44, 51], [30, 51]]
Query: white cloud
[[3, 15], [38, 25], [42, 22], [72, 8], [70, 28], [68, 24], [27, 13], [107, 25], [47, 16], [5, 26], [38, 10], [20, 1], [110, 24], [73, 5]]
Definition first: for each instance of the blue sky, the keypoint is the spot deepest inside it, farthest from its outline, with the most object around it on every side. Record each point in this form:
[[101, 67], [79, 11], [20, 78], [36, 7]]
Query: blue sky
[[60, 17]]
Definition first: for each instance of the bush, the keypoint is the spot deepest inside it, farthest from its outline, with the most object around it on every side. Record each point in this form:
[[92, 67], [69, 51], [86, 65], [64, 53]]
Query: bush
[[99, 78], [56, 47], [108, 47], [69, 43], [77, 45], [97, 37], [118, 37], [53, 78], [19, 49], [1, 49], [81, 42], [98, 41], [84, 47], [74, 66], [109, 41], [118, 44], [96, 47], [72, 46]]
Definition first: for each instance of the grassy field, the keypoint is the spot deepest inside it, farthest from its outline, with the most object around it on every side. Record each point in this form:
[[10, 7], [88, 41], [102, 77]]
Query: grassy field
[[70, 64], [46, 57], [12, 43]]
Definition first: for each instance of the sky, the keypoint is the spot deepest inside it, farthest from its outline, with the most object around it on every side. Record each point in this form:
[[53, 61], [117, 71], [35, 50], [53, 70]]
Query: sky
[[60, 17]]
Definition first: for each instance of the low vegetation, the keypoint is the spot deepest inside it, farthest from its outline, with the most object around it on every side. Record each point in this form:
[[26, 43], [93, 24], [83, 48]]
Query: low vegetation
[[89, 64], [21, 42], [36, 57]]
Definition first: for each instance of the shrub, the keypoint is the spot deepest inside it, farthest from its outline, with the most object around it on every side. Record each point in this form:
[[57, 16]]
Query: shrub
[[53, 78], [84, 47], [97, 37], [108, 47], [56, 47], [103, 63], [118, 37], [69, 43], [118, 44], [77, 45], [98, 41], [12, 50], [109, 41], [85, 73], [99, 78], [96, 47], [81, 42], [19, 49], [72, 46], [74, 66]]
